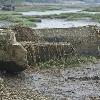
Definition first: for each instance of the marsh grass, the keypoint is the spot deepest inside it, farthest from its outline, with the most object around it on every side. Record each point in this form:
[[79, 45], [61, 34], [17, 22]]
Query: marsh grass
[[71, 16], [93, 9], [32, 18], [17, 18]]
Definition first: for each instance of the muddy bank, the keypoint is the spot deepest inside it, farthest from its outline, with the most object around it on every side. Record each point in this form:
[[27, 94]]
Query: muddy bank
[[77, 83]]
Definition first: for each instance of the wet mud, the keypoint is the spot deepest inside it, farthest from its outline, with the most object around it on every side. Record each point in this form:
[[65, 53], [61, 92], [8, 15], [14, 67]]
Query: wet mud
[[76, 83]]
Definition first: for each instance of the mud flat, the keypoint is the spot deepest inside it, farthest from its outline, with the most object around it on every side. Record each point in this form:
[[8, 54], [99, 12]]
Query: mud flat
[[76, 83]]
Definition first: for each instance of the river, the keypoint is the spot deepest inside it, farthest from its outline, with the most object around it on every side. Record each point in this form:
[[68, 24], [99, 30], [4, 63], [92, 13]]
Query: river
[[61, 23], [52, 12]]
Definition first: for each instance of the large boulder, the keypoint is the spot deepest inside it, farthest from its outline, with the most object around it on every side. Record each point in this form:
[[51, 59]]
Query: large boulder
[[13, 56]]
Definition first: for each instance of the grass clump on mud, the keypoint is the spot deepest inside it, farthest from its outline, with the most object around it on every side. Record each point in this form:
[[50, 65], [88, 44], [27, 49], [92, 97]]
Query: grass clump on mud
[[72, 61], [17, 18]]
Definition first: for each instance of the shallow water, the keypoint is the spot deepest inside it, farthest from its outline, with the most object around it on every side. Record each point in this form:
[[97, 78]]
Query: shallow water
[[61, 23], [51, 12]]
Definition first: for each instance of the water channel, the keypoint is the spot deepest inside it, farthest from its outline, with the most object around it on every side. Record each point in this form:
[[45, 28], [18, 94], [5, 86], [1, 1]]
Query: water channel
[[63, 23]]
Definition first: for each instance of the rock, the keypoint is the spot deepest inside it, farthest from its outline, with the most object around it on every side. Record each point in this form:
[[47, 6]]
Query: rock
[[13, 56]]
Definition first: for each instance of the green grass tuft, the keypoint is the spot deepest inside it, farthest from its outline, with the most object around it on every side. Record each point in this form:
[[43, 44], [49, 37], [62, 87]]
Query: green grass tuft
[[66, 62], [16, 18]]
